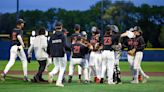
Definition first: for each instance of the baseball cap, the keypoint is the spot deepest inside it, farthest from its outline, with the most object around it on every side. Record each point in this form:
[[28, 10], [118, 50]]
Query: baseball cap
[[137, 28], [115, 28], [77, 27], [83, 33], [108, 27], [93, 29], [19, 21], [58, 25]]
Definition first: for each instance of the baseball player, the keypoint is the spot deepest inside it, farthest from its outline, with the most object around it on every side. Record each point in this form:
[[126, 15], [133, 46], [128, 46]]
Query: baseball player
[[95, 60], [79, 51], [85, 41], [56, 49], [108, 55], [40, 48], [73, 40], [17, 50], [128, 42], [137, 44], [117, 51]]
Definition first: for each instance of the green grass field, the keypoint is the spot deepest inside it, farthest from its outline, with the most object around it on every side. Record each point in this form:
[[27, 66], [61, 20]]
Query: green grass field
[[155, 84], [147, 66]]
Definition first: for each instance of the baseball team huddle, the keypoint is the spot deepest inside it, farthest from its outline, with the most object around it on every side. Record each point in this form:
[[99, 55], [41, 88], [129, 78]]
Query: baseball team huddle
[[97, 57]]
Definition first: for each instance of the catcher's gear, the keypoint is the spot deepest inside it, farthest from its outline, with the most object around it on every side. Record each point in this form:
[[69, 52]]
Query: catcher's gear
[[116, 75], [132, 52]]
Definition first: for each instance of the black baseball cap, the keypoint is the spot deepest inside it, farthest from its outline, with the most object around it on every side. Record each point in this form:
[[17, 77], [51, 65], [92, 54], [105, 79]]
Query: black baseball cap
[[77, 27], [58, 25]]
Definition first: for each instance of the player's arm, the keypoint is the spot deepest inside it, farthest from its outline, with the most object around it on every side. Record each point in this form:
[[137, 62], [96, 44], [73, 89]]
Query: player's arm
[[142, 44], [30, 49], [20, 40], [128, 34], [44, 44], [67, 46]]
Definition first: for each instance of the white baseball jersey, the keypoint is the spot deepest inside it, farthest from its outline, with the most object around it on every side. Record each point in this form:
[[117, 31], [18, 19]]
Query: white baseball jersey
[[40, 46]]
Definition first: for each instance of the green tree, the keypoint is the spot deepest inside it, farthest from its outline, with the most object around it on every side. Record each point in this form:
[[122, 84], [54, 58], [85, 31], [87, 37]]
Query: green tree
[[161, 37]]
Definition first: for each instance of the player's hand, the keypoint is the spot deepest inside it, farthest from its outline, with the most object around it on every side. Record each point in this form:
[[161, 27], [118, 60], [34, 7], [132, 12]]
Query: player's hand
[[23, 46], [132, 52]]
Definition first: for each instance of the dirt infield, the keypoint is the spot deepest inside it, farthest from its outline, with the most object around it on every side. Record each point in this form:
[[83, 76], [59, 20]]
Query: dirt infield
[[17, 72]]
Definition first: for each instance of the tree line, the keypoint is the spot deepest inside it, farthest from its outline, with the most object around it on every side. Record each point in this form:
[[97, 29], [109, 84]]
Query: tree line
[[124, 14]]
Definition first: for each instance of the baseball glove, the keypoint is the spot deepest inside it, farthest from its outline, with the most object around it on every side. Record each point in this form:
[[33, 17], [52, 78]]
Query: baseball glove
[[132, 52]]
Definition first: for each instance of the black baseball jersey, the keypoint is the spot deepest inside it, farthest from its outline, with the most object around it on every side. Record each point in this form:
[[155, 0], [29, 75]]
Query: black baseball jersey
[[57, 45], [138, 43], [14, 35], [110, 40], [79, 50], [130, 43]]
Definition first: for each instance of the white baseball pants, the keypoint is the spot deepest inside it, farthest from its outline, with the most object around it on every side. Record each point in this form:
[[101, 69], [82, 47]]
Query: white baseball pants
[[108, 59], [82, 63], [60, 65], [13, 55]]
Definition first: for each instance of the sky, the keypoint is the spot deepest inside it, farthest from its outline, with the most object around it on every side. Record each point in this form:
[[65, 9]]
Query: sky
[[10, 5]]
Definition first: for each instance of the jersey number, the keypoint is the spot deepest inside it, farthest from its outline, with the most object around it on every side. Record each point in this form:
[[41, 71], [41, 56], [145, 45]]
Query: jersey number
[[107, 41], [76, 49]]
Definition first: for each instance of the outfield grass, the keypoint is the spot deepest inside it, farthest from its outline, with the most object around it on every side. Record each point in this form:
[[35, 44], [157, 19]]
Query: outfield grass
[[155, 84], [147, 66]]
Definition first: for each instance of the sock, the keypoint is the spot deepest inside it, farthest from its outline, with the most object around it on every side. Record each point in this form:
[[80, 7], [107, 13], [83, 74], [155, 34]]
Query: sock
[[79, 76], [70, 77]]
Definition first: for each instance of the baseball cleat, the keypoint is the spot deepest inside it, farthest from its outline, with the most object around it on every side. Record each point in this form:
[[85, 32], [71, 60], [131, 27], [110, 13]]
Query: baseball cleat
[[119, 82], [3, 77], [36, 79], [50, 78], [70, 80], [145, 79], [79, 81], [86, 82], [59, 85], [63, 80], [90, 81], [134, 82], [102, 80], [111, 83], [26, 79]]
